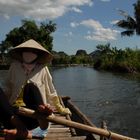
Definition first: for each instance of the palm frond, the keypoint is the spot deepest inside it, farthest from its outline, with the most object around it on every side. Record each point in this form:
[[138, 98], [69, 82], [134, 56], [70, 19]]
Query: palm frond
[[126, 24], [130, 24], [123, 13], [127, 33], [131, 20]]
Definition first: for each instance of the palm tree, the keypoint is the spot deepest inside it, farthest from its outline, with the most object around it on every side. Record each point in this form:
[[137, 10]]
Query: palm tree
[[130, 24]]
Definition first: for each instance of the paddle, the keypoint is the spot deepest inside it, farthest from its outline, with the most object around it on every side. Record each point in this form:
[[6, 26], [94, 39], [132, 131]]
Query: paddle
[[58, 120]]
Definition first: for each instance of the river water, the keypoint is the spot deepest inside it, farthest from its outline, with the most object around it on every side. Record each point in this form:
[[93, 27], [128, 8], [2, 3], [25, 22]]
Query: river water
[[107, 96]]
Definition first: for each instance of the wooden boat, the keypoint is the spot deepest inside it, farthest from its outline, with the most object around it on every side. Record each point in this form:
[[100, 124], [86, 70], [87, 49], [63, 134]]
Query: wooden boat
[[62, 132], [74, 127]]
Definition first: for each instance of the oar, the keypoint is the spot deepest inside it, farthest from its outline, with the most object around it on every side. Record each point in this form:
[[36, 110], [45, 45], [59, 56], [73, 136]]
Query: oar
[[58, 120]]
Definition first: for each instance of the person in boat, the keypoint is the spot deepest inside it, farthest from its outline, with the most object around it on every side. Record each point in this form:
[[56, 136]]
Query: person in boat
[[29, 84]]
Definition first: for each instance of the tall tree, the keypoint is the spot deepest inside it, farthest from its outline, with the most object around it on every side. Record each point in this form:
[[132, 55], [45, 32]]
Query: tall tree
[[130, 24], [28, 30]]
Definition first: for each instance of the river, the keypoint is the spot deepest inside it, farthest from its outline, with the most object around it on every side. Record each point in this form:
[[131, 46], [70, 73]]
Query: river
[[101, 95]]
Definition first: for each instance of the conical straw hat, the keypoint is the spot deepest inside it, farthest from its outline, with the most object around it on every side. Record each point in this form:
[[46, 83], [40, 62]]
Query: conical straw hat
[[31, 45]]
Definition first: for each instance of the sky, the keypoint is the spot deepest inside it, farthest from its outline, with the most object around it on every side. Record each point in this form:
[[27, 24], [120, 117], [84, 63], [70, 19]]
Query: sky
[[81, 24]]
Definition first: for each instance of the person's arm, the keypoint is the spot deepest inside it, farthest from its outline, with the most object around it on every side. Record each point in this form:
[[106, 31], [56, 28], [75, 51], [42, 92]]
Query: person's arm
[[52, 94], [49, 83]]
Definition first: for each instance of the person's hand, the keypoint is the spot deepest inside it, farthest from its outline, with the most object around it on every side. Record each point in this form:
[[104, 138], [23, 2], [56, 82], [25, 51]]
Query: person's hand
[[46, 109], [62, 110]]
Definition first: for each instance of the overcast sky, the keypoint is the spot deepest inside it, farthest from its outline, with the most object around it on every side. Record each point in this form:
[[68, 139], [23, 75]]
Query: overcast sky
[[81, 24]]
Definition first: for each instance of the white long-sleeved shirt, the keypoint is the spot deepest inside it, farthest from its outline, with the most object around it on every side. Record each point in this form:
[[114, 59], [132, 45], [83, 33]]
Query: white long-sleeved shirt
[[40, 76]]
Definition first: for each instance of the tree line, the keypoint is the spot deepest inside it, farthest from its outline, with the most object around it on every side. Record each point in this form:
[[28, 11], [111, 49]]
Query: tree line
[[119, 60], [104, 57]]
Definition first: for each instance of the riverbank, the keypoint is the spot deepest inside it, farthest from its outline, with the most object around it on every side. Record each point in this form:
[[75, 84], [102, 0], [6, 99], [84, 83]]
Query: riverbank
[[108, 68], [6, 67], [118, 68]]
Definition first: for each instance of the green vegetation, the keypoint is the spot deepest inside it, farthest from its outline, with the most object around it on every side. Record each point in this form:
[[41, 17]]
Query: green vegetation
[[104, 57], [29, 29], [81, 57], [130, 24], [113, 59]]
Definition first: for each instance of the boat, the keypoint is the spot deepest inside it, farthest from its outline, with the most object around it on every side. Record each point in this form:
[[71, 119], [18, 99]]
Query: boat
[[62, 132], [76, 126]]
